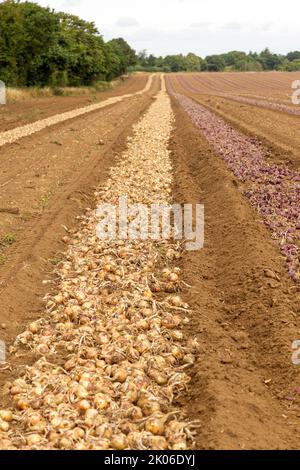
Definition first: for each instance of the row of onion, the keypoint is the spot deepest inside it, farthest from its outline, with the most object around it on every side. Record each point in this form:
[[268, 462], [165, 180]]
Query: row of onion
[[274, 190], [112, 353]]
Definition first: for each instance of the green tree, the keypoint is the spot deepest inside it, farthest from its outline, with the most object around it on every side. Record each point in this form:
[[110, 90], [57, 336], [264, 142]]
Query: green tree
[[86, 58], [124, 52], [11, 41], [41, 47], [290, 66], [233, 58], [291, 56], [142, 58], [175, 62], [295, 65], [152, 60], [40, 29], [215, 63], [269, 60], [27, 33], [193, 63]]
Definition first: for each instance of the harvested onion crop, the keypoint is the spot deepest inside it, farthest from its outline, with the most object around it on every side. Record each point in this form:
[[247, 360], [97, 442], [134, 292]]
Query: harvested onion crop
[[259, 101], [113, 355], [273, 190]]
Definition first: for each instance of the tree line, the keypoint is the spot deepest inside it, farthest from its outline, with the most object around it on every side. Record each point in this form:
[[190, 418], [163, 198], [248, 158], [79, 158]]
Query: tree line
[[231, 61], [41, 47]]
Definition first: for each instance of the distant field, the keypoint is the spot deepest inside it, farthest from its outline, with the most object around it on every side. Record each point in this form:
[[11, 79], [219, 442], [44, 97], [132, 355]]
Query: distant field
[[258, 88], [259, 103]]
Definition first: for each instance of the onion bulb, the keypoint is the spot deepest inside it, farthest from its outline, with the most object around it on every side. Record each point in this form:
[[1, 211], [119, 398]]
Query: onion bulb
[[84, 405], [119, 442], [6, 416], [33, 440], [102, 401], [120, 375], [156, 426], [4, 426], [157, 443]]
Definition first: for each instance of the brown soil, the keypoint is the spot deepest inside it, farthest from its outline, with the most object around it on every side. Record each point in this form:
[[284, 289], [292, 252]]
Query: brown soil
[[277, 130], [50, 177], [243, 387], [24, 112], [243, 384], [264, 85]]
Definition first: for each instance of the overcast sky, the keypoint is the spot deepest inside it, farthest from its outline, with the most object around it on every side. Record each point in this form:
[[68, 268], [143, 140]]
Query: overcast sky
[[201, 26]]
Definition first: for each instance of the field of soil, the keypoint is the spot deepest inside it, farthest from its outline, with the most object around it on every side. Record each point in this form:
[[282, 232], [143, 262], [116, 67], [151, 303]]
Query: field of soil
[[247, 324], [30, 110], [140, 345], [48, 179], [276, 128], [265, 86]]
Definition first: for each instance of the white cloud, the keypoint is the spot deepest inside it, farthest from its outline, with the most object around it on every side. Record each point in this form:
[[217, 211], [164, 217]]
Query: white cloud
[[127, 22], [233, 26], [203, 26]]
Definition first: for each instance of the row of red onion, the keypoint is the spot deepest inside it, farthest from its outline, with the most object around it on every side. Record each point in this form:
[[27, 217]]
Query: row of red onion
[[274, 190]]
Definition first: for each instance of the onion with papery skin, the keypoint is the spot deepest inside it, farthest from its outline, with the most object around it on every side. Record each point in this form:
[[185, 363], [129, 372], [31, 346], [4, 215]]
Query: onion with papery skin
[[156, 426], [4, 426], [6, 415], [110, 354], [119, 442], [84, 405]]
